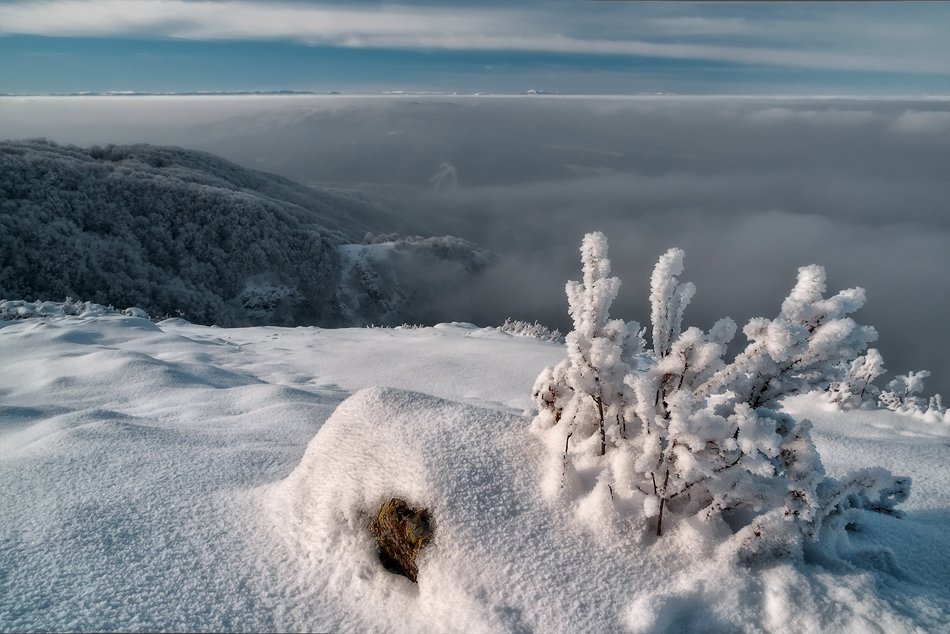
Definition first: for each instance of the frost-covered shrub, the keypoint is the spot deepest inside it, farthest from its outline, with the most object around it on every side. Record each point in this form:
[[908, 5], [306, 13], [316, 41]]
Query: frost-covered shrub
[[587, 389], [856, 387], [903, 392], [801, 349], [11, 309], [536, 330], [904, 395], [678, 430]]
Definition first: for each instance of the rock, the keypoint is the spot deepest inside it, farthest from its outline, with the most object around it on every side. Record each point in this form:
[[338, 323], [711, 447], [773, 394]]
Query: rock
[[401, 533]]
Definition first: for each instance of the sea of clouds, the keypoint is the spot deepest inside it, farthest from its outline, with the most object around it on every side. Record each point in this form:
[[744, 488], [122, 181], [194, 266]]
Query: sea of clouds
[[751, 188]]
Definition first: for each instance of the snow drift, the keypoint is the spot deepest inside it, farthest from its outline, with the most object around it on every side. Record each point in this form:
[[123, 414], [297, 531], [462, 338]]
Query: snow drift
[[173, 476], [504, 560]]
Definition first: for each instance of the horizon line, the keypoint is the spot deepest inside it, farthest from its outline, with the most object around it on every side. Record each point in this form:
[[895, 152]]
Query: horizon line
[[532, 93]]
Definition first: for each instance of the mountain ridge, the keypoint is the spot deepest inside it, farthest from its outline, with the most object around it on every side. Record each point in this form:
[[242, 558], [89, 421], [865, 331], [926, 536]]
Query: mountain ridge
[[178, 231]]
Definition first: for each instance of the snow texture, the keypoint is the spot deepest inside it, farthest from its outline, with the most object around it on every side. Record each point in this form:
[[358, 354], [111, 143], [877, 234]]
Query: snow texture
[[172, 476]]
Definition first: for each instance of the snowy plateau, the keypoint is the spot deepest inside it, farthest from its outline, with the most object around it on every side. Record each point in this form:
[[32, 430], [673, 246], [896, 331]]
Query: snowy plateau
[[172, 476]]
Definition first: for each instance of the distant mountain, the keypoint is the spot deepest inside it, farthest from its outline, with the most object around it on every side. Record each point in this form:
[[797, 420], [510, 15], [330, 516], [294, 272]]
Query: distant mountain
[[179, 231]]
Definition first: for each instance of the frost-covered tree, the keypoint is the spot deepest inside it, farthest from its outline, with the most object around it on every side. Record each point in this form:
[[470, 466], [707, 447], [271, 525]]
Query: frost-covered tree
[[856, 388], [695, 434], [586, 391]]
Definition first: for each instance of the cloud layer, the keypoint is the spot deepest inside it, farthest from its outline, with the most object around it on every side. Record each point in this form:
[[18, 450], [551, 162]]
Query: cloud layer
[[878, 38], [750, 188]]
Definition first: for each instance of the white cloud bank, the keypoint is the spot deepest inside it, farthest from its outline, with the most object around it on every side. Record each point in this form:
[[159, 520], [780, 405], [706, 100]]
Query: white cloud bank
[[923, 122], [800, 43]]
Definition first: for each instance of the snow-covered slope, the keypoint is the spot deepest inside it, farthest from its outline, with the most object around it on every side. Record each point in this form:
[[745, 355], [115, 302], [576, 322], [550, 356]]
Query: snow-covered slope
[[179, 477], [175, 230]]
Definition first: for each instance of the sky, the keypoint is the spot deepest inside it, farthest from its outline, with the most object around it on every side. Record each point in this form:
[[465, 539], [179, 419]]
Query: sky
[[590, 47], [751, 188]]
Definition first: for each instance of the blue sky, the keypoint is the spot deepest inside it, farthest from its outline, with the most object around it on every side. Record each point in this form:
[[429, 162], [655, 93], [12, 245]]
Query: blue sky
[[51, 46]]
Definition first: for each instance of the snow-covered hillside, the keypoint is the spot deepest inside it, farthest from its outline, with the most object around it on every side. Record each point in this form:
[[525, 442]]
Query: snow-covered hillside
[[183, 232], [172, 476]]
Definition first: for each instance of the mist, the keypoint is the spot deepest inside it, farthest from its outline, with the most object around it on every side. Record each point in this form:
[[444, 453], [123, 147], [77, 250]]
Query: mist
[[751, 188]]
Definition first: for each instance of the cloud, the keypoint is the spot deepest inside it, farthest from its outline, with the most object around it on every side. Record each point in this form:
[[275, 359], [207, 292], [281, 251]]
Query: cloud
[[230, 20], [827, 117], [923, 122], [751, 188], [796, 26], [557, 28]]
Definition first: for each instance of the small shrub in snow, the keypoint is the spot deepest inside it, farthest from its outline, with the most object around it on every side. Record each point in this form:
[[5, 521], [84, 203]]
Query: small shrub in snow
[[903, 392], [399, 327], [904, 396], [536, 330], [19, 309], [856, 388], [679, 430]]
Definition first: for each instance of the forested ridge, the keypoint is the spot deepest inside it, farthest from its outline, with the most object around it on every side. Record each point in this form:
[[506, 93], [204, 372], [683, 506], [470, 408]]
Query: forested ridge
[[177, 231]]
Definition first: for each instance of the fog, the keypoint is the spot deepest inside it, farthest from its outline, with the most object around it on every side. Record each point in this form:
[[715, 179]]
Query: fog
[[751, 188]]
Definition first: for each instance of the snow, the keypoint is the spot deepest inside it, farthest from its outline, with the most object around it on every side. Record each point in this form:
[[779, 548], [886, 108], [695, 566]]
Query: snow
[[179, 477]]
